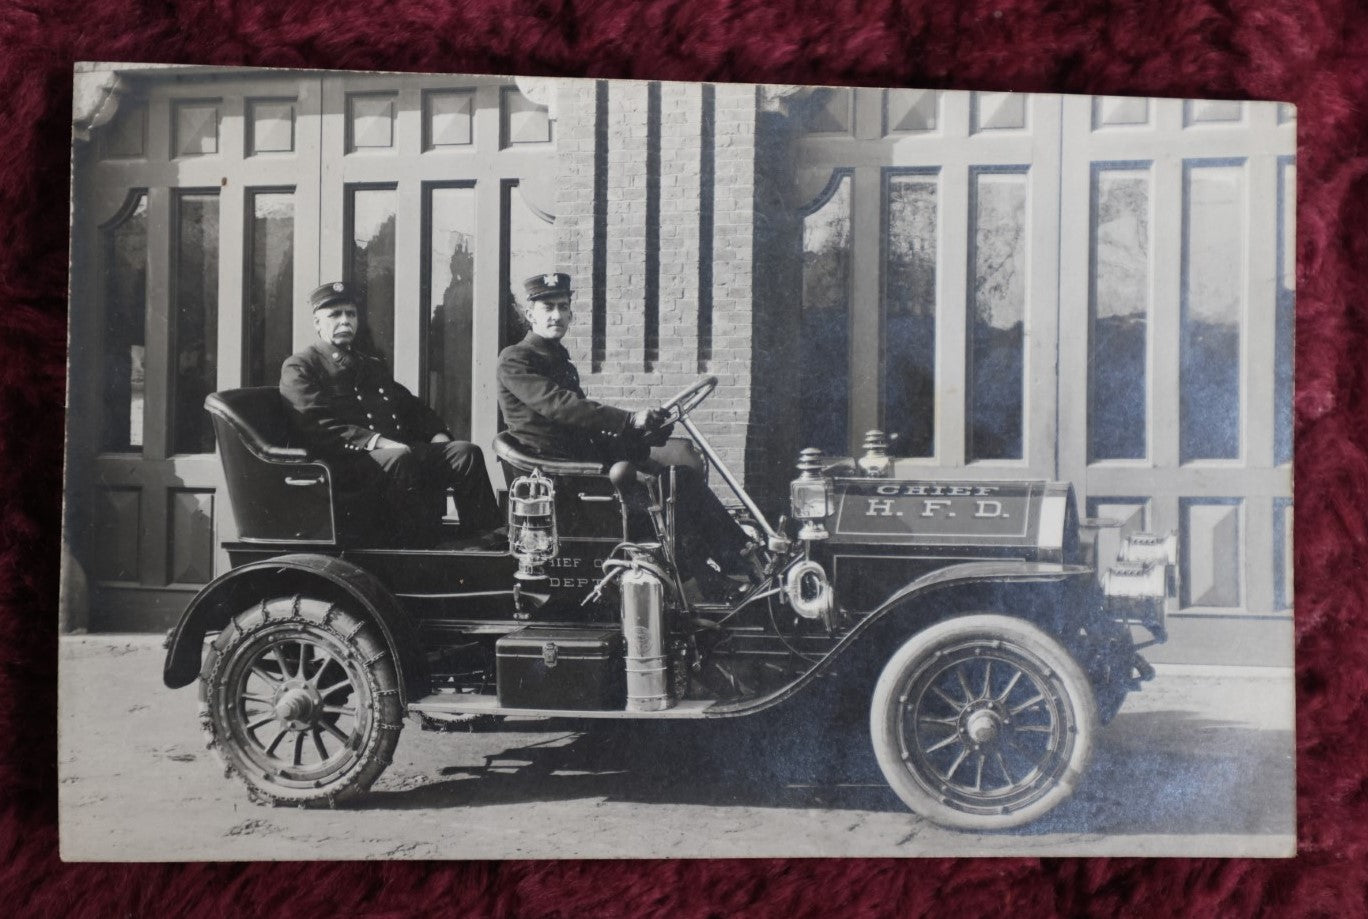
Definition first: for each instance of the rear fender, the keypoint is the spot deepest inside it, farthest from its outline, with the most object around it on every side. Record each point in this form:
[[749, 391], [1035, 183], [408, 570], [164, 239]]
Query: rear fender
[[319, 576]]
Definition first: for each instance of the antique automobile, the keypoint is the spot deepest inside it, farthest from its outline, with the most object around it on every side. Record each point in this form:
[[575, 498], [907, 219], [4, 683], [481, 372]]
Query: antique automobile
[[992, 644]]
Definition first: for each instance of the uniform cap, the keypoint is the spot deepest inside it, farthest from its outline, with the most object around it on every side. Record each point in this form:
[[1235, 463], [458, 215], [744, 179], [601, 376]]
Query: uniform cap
[[328, 294], [541, 286]]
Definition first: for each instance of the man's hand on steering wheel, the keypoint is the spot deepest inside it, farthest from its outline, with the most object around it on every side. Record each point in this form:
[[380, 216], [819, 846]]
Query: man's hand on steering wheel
[[656, 424], [650, 422], [648, 419]]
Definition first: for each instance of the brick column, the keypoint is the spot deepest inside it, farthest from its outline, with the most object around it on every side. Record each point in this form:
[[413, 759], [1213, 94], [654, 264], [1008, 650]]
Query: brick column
[[625, 249], [576, 161], [693, 251], [729, 423], [681, 106]]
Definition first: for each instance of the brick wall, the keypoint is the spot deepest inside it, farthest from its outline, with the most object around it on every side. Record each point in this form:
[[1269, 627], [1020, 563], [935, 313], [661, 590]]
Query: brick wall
[[575, 165], [676, 298]]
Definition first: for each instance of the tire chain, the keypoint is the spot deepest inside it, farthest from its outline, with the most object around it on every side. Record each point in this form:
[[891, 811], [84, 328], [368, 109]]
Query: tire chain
[[377, 754]]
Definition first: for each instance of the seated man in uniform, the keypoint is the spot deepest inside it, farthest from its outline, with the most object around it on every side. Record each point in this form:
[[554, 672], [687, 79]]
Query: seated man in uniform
[[379, 438], [546, 410]]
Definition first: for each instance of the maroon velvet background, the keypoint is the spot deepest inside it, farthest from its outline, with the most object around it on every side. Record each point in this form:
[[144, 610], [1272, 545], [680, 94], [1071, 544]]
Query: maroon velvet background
[[1311, 52]]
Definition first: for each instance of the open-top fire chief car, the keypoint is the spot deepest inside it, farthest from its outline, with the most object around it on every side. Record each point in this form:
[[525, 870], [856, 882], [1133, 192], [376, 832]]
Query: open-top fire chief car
[[999, 646]]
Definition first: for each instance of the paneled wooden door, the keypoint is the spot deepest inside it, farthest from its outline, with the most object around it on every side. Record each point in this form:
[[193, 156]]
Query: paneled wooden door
[[1177, 277], [195, 221], [206, 211]]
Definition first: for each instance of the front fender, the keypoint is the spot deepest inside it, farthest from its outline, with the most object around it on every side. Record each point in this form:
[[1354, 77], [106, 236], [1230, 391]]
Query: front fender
[[316, 575], [985, 572], [967, 574]]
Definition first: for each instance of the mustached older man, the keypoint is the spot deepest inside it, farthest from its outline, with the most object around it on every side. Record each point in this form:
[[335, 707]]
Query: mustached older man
[[378, 436]]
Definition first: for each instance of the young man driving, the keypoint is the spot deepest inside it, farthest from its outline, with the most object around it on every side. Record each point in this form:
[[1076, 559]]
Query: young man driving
[[547, 412]]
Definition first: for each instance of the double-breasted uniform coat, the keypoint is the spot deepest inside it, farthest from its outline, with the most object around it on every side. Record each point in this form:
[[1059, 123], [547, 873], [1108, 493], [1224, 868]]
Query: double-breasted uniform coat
[[342, 400]]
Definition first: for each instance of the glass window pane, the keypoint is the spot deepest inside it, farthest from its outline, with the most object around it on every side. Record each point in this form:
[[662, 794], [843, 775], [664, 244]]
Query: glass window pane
[[998, 308], [196, 306], [531, 250], [1119, 315], [449, 289], [1287, 298], [125, 319], [268, 337], [910, 315], [370, 265], [1213, 301], [825, 308]]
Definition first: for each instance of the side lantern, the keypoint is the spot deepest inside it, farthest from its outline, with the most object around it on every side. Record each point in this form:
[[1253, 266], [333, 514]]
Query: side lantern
[[532, 524], [810, 496]]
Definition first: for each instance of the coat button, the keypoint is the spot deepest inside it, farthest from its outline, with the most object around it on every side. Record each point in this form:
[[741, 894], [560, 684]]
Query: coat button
[[369, 415], [381, 390]]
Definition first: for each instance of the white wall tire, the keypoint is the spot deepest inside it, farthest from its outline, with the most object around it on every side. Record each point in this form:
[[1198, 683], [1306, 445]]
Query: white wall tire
[[983, 722]]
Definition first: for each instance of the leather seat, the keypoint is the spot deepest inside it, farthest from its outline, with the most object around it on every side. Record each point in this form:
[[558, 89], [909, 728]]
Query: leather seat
[[279, 493], [515, 456]]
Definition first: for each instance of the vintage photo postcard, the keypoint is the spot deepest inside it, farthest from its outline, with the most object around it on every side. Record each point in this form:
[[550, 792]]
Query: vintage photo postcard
[[492, 467]]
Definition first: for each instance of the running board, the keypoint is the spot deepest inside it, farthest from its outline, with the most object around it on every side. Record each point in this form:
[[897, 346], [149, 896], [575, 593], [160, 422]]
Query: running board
[[462, 704]]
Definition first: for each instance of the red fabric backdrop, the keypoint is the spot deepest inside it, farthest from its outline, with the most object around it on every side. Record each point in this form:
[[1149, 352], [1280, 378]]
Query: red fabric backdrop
[[1311, 52]]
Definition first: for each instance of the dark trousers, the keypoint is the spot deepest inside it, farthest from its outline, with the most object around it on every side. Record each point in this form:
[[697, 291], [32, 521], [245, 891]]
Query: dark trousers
[[703, 527], [406, 488], [704, 530]]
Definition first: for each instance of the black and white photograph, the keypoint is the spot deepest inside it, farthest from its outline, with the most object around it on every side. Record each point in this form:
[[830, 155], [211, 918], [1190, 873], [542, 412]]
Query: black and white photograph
[[484, 467]]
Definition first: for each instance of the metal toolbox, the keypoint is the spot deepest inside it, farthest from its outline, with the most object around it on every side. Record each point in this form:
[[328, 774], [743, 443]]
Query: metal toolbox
[[580, 669]]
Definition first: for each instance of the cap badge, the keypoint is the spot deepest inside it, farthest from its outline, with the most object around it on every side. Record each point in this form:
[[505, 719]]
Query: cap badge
[[337, 287], [549, 280]]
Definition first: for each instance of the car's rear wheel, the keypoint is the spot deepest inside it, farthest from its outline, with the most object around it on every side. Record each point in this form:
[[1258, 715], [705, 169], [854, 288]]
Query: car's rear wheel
[[983, 722], [300, 698]]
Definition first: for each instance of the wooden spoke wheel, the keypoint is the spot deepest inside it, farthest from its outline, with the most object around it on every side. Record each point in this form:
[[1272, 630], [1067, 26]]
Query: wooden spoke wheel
[[983, 722], [301, 699]]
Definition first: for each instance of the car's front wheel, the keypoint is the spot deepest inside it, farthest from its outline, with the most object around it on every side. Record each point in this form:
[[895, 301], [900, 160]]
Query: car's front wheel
[[983, 722], [299, 696]]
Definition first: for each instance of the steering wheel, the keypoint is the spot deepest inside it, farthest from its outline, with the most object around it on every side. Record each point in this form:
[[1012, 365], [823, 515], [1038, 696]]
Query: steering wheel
[[687, 399]]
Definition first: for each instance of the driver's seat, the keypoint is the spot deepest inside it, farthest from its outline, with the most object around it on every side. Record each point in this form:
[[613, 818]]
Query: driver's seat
[[513, 456], [587, 503], [512, 453]]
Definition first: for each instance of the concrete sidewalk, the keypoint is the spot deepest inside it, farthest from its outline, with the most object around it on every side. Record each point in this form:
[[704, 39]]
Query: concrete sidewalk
[[1200, 763]]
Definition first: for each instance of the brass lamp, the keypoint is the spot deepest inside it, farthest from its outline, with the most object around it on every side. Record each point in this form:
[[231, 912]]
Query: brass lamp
[[810, 496]]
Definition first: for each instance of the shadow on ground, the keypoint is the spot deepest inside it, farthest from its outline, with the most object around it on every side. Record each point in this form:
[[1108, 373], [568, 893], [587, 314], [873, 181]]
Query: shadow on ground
[[1152, 772]]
